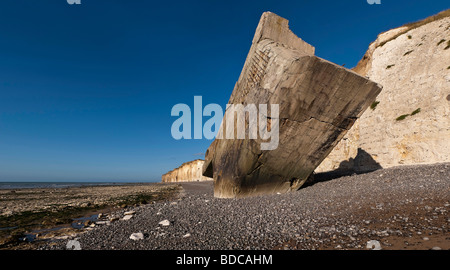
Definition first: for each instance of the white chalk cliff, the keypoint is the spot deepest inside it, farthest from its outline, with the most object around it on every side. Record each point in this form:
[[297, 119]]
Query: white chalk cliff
[[410, 122], [187, 172]]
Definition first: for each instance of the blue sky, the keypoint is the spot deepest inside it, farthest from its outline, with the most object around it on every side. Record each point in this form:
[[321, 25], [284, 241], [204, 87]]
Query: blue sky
[[86, 90]]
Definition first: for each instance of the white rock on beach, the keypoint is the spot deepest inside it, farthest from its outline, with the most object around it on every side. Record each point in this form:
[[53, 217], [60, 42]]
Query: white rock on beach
[[127, 217], [129, 213], [137, 236], [373, 245], [73, 245], [164, 223], [103, 222]]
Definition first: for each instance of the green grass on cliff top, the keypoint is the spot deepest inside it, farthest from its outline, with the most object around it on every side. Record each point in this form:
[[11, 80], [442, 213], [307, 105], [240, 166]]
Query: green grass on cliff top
[[414, 25]]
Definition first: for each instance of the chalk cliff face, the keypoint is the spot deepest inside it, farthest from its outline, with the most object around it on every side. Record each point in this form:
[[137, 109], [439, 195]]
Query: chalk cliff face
[[410, 121], [187, 172]]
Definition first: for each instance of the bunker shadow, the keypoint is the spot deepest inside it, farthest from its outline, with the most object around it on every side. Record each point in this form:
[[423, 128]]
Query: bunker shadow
[[361, 164]]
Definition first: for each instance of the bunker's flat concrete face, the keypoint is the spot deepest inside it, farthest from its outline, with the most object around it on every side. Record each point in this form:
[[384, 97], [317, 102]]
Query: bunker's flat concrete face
[[318, 102]]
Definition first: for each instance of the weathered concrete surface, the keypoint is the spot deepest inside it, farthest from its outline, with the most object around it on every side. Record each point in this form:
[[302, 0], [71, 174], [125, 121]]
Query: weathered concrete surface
[[412, 65], [187, 172], [318, 102]]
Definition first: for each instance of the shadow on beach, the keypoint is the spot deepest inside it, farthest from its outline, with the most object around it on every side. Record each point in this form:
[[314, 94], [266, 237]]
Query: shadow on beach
[[363, 163]]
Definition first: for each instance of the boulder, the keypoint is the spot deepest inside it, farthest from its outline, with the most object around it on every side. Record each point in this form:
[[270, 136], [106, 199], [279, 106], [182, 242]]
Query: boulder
[[318, 102]]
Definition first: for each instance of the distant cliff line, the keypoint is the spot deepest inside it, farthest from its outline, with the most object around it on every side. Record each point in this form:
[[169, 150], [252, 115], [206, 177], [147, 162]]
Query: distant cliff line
[[188, 172]]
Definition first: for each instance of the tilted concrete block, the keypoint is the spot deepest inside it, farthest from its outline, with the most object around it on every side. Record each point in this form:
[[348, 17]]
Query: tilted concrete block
[[318, 102]]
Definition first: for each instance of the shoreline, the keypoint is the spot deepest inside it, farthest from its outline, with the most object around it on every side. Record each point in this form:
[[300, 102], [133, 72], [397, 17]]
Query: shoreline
[[18, 185], [30, 214]]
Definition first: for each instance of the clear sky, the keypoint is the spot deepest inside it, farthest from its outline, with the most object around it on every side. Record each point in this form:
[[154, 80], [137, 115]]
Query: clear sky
[[86, 90]]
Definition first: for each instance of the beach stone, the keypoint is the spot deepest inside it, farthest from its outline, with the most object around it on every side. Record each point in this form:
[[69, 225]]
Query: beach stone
[[373, 245], [164, 223], [318, 103], [73, 245], [127, 217], [137, 236], [129, 213], [107, 222]]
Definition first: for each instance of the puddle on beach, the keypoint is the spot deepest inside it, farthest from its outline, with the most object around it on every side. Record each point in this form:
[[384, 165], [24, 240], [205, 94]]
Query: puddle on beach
[[30, 237], [8, 228], [80, 223], [77, 224], [62, 231]]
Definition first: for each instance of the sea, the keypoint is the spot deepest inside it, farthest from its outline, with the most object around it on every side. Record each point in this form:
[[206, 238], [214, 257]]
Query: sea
[[19, 185]]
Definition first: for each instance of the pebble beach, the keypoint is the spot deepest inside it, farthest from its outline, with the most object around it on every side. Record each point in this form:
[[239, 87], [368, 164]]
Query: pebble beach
[[402, 208]]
